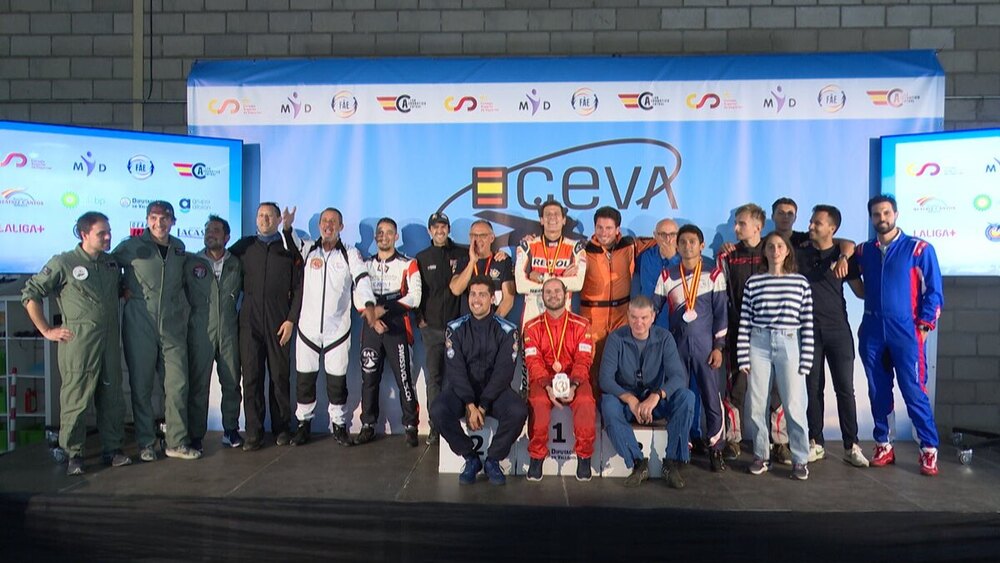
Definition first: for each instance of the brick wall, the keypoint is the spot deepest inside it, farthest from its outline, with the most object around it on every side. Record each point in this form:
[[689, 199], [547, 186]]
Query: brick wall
[[70, 61]]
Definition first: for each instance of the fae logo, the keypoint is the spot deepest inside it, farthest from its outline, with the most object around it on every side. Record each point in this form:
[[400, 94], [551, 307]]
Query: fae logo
[[140, 167], [581, 177], [468, 103], [534, 103], [18, 197], [295, 106], [779, 100], [584, 101], [832, 98], [89, 163], [344, 104]]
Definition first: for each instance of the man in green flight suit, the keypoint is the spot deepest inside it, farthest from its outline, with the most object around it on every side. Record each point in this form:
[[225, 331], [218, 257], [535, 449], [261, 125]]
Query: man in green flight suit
[[155, 330], [85, 282], [214, 281]]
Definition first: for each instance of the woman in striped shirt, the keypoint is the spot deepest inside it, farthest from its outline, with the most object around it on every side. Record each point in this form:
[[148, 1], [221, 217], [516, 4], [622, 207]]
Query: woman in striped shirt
[[775, 342]]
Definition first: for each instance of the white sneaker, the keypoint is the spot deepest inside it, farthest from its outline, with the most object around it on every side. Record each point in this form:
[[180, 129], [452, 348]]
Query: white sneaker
[[816, 451], [855, 456], [182, 452]]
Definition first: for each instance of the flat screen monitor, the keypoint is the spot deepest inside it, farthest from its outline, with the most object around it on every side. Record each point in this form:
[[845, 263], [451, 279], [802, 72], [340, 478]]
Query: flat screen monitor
[[947, 187], [52, 174]]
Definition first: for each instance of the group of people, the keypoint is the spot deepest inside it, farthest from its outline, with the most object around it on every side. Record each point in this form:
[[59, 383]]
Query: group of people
[[705, 346]]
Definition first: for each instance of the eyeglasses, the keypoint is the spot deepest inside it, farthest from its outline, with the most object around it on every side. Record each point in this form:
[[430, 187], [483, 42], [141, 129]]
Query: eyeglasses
[[479, 235], [668, 236]]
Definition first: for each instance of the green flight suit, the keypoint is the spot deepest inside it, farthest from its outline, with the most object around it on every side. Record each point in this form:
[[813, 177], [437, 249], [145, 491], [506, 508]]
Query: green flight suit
[[90, 364], [155, 334], [213, 338]]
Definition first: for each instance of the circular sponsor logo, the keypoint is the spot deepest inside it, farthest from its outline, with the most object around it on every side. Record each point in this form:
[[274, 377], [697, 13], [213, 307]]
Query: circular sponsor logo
[[584, 101], [344, 104], [199, 271], [125, 202], [832, 98], [368, 358], [982, 202], [140, 167], [316, 263], [80, 273], [70, 200]]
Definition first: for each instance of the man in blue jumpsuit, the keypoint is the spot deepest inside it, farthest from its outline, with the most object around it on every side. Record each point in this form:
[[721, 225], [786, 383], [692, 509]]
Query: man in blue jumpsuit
[[902, 292]]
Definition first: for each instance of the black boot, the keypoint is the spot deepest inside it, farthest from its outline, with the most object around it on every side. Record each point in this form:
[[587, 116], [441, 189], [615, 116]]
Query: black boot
[[302, 433]]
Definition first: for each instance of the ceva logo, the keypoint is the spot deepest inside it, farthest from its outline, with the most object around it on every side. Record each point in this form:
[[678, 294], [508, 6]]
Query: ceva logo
[[581, 177]]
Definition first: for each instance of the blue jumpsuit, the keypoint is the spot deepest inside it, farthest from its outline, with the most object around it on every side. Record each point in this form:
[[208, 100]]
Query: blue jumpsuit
[[902, 296], [697, 339]]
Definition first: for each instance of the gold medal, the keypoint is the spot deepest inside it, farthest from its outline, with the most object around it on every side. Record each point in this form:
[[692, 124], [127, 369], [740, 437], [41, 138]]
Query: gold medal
[[557, 351], [557, 367]]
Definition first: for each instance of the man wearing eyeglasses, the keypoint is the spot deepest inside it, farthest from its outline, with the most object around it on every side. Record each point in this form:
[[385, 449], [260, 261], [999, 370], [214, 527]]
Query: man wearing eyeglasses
[[656, 259]]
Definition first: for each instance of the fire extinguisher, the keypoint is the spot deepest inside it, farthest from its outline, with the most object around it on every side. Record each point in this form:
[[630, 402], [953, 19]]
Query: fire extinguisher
[[30, 400]]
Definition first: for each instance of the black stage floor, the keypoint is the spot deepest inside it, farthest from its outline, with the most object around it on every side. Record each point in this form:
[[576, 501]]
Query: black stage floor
[[386, 502]]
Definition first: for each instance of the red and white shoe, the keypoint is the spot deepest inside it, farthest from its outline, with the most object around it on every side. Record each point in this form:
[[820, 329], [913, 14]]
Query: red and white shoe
[[883, 455], [928, 461]]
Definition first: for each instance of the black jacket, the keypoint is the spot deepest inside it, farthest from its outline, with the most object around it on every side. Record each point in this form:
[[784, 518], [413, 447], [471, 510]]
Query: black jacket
[[479, 358], [437, 267], [272, 282]]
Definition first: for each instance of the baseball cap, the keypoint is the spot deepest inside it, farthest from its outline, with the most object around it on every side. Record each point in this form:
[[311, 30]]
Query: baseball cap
[[436, 218], [161, 206]]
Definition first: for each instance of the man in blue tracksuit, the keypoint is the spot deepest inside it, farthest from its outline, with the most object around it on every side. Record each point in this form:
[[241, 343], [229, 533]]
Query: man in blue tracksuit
[[902, 292], [654, 260], [642, 379], [693, 292]]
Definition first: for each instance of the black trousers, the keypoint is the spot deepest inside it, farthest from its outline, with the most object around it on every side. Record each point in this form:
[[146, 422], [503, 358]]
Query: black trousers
[[509, 409], [258, 351], [375, 349], [837, 348], [434, 368]]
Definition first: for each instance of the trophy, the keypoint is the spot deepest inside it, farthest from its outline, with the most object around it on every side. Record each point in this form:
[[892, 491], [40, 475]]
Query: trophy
[[560, 386]]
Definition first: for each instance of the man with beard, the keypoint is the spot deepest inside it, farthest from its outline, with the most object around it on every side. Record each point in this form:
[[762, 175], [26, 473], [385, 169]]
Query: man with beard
[[481, 352], [395, 280], [272, 299], [438, 306], [213, 279], [558, 345], [154, 331], [902, 289]]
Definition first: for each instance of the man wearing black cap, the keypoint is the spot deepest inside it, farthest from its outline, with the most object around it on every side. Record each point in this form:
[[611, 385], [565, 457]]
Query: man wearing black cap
[[438, 307], [154, 330]]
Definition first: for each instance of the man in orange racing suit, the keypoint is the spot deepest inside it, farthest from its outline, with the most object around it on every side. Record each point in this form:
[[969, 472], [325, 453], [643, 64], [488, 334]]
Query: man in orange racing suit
[[611, 260]]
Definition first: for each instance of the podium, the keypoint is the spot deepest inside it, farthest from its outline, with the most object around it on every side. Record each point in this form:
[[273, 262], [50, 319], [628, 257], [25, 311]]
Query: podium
[[449, 462]]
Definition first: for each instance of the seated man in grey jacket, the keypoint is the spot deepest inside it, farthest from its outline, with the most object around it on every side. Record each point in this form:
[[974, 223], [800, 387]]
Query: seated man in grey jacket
[[642, 379]]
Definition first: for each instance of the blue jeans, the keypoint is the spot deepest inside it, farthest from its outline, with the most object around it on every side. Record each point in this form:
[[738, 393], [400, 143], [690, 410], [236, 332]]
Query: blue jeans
[[678, 409], [774, 355]]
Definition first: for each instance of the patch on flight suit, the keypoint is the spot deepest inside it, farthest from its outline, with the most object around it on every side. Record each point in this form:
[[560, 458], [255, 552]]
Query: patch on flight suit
[[199, 271], [316, 263], [46, 271], [80, 273]]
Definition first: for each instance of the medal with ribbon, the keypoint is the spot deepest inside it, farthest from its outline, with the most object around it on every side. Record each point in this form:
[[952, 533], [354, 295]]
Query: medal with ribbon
[[556, 365], [690, 292]]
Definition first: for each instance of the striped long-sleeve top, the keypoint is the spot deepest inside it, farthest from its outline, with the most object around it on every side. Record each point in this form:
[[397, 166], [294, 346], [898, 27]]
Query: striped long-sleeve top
[[777, 302]]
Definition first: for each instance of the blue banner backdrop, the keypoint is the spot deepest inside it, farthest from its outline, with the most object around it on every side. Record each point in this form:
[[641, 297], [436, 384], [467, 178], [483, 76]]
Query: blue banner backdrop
[[689, 138]]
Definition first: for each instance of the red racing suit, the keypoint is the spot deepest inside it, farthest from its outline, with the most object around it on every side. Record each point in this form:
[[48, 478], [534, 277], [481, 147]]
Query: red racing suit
[[542, 335]]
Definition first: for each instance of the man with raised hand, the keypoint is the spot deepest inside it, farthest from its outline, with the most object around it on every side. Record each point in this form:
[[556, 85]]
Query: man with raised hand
[[272, 299], [482, 261], [331, 272], [154, 331], [655, 259], [85, 282], [479, 367], [558, 349]]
